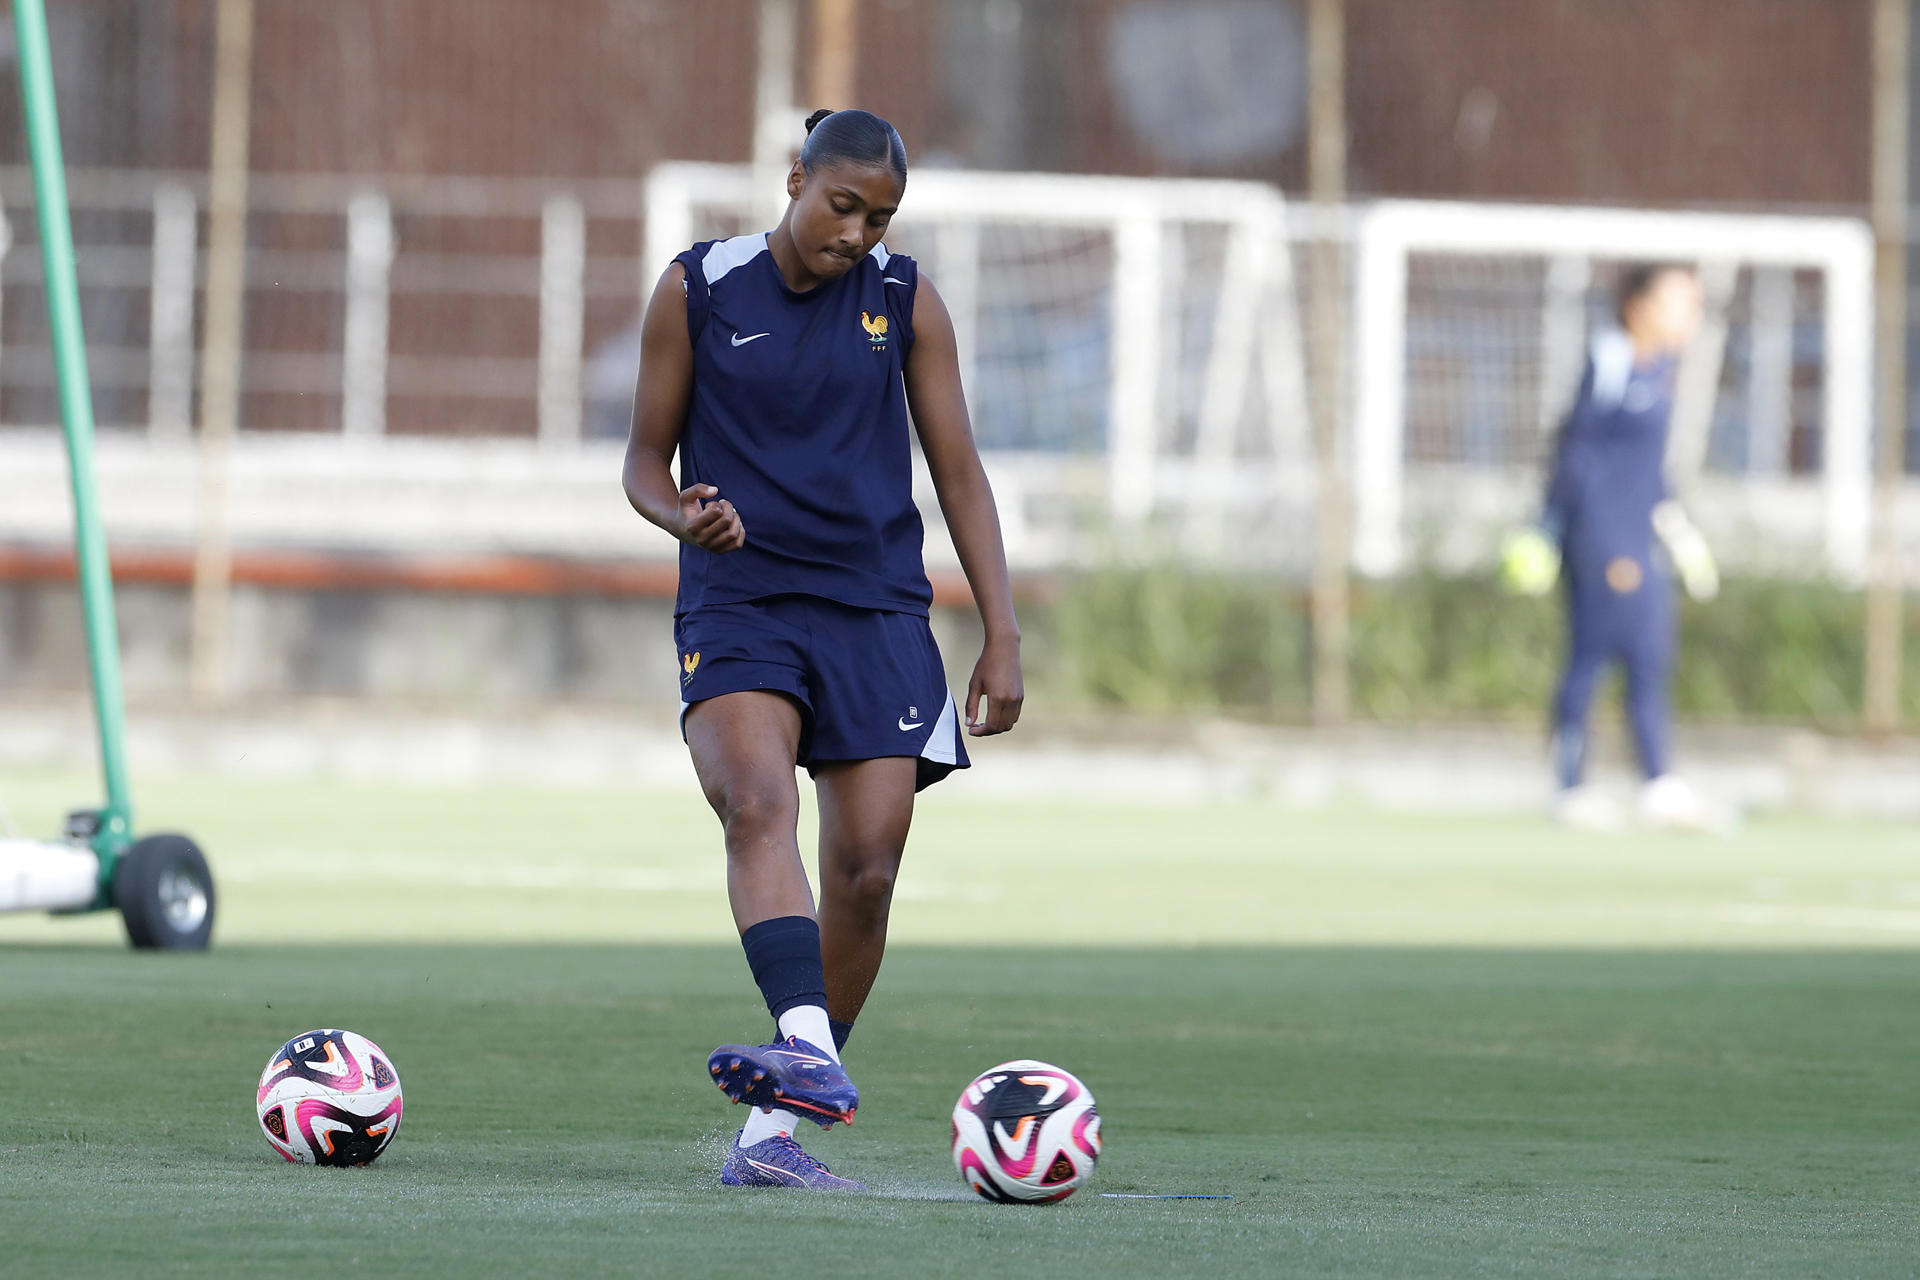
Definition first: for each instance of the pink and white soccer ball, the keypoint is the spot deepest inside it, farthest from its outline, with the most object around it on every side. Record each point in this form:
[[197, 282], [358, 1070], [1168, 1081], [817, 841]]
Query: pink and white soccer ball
[[1025, 1132], [329, 1097]]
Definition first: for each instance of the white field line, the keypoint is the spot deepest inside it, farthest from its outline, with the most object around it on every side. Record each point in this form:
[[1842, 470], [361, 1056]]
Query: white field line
[[1771, 915], [308, 866]]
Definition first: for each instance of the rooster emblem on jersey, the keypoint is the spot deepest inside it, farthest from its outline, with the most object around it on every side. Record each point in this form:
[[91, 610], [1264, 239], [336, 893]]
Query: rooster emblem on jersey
[[876, 327]]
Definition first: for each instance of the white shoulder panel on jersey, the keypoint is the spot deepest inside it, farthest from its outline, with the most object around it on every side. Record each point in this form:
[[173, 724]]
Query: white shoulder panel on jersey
[[1612, 356], [880, 254], [728, 254]]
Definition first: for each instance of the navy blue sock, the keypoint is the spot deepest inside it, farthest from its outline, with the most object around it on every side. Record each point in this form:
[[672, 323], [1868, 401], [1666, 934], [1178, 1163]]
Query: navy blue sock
[[784, 954], [842, 1031]]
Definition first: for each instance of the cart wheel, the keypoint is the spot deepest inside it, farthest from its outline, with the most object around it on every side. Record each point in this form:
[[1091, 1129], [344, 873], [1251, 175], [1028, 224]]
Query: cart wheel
[[165, 894]]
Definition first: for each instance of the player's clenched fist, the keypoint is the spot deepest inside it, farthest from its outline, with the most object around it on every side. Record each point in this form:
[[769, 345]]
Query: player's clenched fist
[[998, 684], [709, 524]]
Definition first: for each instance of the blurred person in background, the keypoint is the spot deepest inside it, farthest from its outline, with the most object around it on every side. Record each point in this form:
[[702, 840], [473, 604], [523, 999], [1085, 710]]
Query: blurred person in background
[[1611, 524], [789, 369]]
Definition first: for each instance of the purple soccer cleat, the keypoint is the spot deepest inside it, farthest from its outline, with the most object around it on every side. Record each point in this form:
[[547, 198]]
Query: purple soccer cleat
[[779, 1161], [792, 1075]]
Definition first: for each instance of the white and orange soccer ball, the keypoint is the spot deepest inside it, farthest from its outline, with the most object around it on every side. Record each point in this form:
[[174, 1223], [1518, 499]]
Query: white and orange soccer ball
[[329, 1097], [1025, 1132]]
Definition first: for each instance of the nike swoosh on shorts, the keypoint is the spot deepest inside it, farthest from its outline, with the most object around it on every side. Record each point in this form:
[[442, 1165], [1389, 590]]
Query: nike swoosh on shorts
[[739, 341]]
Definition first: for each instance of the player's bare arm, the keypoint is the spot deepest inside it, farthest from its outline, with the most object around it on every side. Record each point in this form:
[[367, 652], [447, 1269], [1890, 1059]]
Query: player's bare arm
[[699, 514], [939, 407]]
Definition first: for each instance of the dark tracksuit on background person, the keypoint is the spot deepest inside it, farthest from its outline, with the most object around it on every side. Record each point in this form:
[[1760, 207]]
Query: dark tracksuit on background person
[[1608, 476]]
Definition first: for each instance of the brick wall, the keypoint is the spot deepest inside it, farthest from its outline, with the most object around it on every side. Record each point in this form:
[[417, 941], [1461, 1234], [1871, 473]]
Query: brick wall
[[1651, 101]]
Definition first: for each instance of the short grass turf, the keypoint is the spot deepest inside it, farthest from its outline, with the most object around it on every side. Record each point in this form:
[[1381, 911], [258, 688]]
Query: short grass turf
[[1550, 1056]]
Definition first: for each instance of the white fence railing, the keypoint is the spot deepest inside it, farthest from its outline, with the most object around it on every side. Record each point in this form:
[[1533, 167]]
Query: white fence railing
[[1132, 351], [333, 267]]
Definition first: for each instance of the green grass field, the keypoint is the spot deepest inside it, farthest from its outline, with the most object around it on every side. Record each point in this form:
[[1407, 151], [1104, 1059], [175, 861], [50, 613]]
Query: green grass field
[[1402, 1046]]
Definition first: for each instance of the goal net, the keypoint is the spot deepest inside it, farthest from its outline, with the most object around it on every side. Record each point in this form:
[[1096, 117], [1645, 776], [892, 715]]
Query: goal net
[[1119, 338], [1471, 324]]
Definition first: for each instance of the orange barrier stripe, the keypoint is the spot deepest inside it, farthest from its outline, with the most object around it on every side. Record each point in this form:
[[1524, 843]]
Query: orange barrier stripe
[[505, 575]]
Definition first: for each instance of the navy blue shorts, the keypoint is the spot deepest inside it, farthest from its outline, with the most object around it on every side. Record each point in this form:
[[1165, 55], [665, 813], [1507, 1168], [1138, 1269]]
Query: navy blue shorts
[[869, 683]]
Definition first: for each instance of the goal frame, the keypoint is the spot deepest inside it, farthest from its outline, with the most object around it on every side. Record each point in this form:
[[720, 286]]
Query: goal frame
[[1255, 324], [1390, 232]]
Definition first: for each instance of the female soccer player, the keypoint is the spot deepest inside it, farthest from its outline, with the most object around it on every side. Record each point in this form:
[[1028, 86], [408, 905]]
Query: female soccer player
[[785, 368], [1607, 503]]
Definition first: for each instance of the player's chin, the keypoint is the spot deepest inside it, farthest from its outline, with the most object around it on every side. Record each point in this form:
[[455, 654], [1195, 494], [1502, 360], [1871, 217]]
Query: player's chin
[[834, 264]]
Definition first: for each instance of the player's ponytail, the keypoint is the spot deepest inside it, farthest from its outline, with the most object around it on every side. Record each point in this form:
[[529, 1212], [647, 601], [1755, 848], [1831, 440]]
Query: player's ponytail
[[854, 137]]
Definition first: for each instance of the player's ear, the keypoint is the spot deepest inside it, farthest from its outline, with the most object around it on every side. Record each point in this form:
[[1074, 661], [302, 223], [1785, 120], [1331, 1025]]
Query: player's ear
[[796, 180]]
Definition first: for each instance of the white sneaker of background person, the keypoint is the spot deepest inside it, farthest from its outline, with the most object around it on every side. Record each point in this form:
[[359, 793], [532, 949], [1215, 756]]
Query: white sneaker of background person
[[1670, 802], [1587, 808]]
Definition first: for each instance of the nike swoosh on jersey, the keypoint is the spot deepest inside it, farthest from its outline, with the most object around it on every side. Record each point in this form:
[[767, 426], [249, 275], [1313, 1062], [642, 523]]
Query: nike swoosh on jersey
[[739, 341], [905, 727]]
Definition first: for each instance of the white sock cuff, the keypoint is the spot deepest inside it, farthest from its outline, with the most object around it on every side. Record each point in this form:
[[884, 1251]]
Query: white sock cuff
[[762, 1125], [809, 1022]]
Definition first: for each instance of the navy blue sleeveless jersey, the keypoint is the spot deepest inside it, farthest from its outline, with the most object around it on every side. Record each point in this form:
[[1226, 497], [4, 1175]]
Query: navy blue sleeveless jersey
[[799, 418], [1609, 470]]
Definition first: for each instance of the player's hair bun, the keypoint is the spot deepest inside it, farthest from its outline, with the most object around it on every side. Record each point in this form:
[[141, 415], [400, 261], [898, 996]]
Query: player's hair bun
[[817, 117]]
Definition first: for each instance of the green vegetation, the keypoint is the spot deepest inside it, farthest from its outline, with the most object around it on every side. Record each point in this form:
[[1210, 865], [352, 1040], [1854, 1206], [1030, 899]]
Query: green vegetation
[[1429, 647], [1550, 1054]]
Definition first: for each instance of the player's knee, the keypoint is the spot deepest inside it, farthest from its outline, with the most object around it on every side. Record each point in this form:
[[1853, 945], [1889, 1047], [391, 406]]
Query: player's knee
[[866, 879], [751, 811], [873, 884]]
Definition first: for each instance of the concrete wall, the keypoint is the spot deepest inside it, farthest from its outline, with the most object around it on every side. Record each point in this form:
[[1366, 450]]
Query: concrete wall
[[453, 649]]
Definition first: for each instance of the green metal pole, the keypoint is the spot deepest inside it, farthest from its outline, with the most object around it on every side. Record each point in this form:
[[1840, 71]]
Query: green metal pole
[[76, 414]]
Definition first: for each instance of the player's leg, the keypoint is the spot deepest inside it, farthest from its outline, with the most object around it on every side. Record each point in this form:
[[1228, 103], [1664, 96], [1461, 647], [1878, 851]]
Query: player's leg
[[885, 727], [1588, 653], [1667, 800], [748, 722], [1570, 710], [1573, 701], [1649, 678], [744, 747], [866, 807]]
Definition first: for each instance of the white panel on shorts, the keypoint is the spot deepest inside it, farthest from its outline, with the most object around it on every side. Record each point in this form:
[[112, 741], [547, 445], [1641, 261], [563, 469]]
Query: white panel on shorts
[[941, 743], [728, 254]]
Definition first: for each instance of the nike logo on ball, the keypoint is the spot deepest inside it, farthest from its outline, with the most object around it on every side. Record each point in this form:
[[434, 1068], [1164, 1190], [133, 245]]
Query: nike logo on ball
[[739, 341], [904, 726]]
